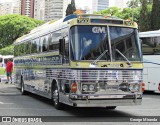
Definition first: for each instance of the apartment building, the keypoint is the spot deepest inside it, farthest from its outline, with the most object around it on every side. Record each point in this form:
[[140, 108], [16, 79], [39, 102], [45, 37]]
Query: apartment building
[[27, 8]]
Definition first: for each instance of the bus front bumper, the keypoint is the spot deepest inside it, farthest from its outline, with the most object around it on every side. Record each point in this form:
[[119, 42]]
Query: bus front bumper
[[107, 100]]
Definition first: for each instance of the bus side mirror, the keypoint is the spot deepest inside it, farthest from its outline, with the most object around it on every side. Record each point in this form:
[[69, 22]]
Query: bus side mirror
[[62, 46]]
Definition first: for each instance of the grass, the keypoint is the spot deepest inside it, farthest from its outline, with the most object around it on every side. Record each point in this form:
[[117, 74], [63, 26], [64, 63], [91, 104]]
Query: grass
[[2, 71]]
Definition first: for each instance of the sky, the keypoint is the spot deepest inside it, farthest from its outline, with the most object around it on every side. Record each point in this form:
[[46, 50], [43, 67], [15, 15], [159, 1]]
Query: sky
[[83, 3], [79, 3]]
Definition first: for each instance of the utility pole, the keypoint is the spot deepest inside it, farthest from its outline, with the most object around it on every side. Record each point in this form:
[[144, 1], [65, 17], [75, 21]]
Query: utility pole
[[133, 10]]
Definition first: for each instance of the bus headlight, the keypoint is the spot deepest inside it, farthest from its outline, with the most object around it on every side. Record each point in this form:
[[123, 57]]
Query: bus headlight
[[137, 75], [85, 87], [134, 87], [91, 87]]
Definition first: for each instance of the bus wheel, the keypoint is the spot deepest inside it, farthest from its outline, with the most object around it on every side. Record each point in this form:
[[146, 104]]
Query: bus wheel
[[111, 107], [22, 87], [56, 102]]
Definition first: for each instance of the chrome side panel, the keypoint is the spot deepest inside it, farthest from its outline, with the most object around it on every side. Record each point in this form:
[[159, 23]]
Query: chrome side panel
[[39, 81]]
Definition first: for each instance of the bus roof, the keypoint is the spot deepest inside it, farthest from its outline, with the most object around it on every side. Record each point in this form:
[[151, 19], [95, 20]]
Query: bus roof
[[64, 22], [149, 34]]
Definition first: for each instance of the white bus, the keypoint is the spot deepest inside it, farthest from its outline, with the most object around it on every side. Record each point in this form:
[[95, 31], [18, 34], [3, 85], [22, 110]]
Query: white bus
[[151, 59], [4, 58]]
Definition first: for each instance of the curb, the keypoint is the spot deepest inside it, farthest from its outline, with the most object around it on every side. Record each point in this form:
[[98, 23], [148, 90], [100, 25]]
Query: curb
[[10, 94]]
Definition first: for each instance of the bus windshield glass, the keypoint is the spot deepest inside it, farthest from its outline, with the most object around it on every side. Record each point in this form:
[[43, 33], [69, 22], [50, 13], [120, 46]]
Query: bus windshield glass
[[89, 42], [127, 42]]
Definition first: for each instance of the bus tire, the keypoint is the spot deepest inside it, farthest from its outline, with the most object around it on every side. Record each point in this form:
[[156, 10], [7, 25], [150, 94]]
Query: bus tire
[[22, 87], [55, 98], [111, 107]]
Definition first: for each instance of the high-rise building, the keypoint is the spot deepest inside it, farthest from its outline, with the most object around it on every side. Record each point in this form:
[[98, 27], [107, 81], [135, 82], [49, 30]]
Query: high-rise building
[[99, 5], [120, 3], [27, 8], [39, 9], [6, 8], [53, 9], [16, 6], [10, 7]]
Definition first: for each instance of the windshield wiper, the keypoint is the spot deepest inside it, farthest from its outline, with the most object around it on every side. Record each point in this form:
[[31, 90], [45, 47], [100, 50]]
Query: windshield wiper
[[129, 63], [95, 61]]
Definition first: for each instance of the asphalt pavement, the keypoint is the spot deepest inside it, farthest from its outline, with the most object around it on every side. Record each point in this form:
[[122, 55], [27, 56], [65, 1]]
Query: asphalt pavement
[[8, 88]]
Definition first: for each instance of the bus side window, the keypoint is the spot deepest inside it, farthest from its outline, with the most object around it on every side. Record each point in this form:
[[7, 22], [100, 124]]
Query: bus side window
[[15, 51], [35, 46], [44, 43], [28, 47], [66, 47], [54, 42]]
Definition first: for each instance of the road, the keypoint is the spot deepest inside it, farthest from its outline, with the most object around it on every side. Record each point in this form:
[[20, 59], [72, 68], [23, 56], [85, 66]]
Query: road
[[12, 103]]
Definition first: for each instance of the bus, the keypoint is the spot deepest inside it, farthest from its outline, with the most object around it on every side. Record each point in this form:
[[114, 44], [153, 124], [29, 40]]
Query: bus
[[82, 60], [4, 58], [151, 56]]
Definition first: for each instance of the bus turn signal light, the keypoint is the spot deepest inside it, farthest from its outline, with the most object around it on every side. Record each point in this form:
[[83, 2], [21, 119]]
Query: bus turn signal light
[[74, 87], [143, 87]]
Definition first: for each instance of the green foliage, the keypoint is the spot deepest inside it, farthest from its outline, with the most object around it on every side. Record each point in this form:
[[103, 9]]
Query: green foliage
[[155, 15], [71, 8], [13, 26], [2, 71], [145, 16], [129, 13], [9, 50], [110, 11], [126, 13]]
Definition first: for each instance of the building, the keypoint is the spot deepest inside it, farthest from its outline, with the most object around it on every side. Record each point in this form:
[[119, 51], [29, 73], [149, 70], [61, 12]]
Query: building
[[16, 6], [39, 9], [27, 8], [10, 7], [6, 8], [53, 9], [99, 5], [118, 3]]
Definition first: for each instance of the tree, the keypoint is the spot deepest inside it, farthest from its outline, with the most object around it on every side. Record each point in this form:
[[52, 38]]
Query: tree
[[110, 11], [71, 8], [9, 50], [155, 15], [145, 20], [13, 26], [126, 13]]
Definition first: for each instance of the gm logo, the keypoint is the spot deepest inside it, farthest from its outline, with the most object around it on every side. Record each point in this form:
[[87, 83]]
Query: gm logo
[[98, 30]]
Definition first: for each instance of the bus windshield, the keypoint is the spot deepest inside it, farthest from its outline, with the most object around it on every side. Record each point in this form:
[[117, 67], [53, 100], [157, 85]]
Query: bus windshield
[[89, 42]]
